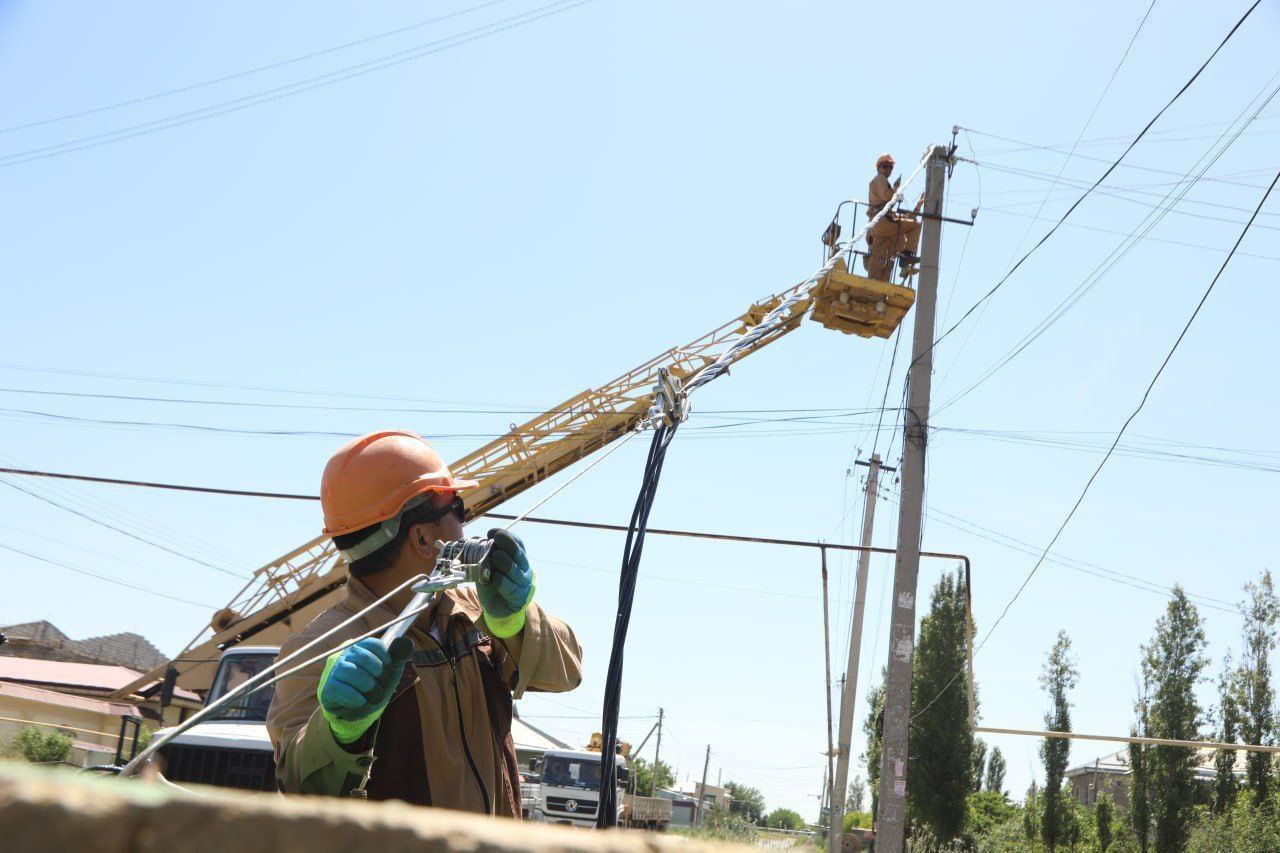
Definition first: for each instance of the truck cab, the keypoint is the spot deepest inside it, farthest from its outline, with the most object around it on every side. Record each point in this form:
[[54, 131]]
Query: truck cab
[[569, 787], [231, 749]]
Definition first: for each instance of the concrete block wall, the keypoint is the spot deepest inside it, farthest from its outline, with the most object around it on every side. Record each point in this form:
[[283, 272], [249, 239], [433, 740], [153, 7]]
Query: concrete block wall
[[44, 810]]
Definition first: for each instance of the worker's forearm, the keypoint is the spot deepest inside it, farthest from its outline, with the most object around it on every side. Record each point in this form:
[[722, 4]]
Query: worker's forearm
[[315, 763]]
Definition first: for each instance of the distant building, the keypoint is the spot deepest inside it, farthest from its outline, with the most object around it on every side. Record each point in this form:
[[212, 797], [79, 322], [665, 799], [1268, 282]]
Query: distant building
[[94, 725], [96, 681], [43, 640], [1110, 774], [712, 796], [682, 806]]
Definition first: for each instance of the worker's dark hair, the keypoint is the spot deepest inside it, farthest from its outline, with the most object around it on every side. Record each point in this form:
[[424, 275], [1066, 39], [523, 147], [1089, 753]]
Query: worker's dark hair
[[381, 559]]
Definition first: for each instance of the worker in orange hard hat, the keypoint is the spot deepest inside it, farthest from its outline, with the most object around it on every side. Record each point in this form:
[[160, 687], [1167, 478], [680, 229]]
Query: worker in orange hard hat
[[427, 719], [896, 234]]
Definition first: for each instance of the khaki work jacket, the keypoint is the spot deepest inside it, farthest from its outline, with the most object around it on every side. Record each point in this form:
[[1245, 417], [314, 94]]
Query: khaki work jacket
[[445, 737], [879, 193]]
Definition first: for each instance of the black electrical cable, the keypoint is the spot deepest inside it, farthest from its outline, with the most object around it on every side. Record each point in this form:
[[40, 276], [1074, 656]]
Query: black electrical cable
[[1111, 168], [286, 90], [607, 813], [1044, 554]]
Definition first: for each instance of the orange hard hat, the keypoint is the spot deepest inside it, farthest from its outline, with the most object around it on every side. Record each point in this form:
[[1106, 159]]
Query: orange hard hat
[[371, 478], [885, 158]]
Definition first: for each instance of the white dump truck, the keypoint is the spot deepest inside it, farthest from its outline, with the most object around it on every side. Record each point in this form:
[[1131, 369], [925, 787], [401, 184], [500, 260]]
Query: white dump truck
[[569, 787]]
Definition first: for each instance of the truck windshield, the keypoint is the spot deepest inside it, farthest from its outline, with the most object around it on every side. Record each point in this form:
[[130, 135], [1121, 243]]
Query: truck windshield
[[562, 772], [234, 670]]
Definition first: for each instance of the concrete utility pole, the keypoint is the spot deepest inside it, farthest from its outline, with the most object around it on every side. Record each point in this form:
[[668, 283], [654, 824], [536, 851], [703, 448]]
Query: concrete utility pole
[[657, 751], [890, 824], [702, 791], [840, 786]]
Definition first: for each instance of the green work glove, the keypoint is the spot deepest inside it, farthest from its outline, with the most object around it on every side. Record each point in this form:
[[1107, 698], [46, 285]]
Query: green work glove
[[510, 586], [357, 684]]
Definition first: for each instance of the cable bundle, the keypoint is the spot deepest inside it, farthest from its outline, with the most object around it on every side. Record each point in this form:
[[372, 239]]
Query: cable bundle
[[607, 813]]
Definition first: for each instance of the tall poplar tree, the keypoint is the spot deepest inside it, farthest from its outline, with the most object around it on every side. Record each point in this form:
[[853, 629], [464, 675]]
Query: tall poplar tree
[[1172, 665], [873, 726], [1140, 780], [1257, 697], [1059, 678], [1225, 784], [942, 749], [996, 767]]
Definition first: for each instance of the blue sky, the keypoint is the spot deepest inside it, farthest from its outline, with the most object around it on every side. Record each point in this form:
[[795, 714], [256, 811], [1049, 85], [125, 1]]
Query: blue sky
[[501, 222]]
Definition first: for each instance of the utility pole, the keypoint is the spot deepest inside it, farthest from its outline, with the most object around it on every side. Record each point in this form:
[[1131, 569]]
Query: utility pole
[[890, 823], [657, 751], [702, 791], [835, 829]]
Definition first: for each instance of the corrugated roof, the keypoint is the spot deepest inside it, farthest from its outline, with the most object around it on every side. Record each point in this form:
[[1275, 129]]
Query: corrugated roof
[[66, 700], [87, 676]]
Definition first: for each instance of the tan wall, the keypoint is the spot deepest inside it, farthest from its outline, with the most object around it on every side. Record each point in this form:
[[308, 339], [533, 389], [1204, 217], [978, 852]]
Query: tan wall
[[102, 729]]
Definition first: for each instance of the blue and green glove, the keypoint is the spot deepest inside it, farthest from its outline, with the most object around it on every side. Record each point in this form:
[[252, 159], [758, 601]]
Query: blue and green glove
[[357, 684], [509, 588]]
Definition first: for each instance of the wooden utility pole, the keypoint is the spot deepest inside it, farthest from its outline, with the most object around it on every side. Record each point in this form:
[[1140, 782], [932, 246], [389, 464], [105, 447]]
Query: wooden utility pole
[[890, 823], [840, 784], [702, 791]]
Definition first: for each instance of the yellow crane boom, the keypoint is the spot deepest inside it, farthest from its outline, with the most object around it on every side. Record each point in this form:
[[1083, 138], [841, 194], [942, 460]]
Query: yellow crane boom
[[285, 594]]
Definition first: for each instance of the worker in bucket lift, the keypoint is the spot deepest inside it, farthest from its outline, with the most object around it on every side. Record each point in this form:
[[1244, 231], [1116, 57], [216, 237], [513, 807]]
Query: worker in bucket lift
[[428, 719], [896, 233]]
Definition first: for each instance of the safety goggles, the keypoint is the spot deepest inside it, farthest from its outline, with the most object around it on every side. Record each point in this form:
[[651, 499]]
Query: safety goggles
[[453, 507]]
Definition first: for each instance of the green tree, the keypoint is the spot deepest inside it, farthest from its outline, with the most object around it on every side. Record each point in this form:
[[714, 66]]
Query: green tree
[[1031, 814], [1225, 784], [1059, 678], [862, 820], [873, 727], [41, 747], [978, 763], [781, 818], [856, 797], [643, 773], [747, 803], [1172, 667], [1257, 698], [987, 810], [941, 770], [1140, 780], [1103, 817], [996, 767]]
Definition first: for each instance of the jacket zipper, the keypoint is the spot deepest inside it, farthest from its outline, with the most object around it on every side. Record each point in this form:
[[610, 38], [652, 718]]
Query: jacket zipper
[[462, 731]]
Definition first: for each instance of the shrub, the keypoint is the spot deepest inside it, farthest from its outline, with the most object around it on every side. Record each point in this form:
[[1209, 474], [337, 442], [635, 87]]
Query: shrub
[[41, 747]]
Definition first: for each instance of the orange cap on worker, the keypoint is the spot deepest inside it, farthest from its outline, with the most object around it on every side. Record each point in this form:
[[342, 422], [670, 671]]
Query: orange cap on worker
[[371, 478], [885, 158]]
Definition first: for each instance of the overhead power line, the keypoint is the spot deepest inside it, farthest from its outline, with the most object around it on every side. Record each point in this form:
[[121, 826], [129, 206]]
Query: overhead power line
[[1134, 414], [1175, 195], [1054, 229], [106, 578], [248, 72], [112, 527], [296, 88], [1088, 121], [1220, 179]]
